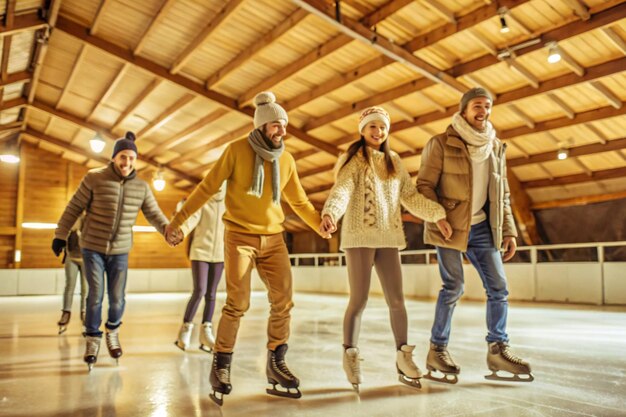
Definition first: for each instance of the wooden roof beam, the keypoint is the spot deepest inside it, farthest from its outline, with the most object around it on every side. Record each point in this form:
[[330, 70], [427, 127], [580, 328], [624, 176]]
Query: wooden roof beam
[[441, 10], [605, 174], [166, 5], [579, 8], [400, 54], [74, 71], [81, 33], [321, 51], [97, 20], [571, 62], [112, 86], [220, 17], [582, 166], [106, 134], [562, 105], [166, 115], [579, 201], [520, 205], [608, 94], [484, 42], [187, 133], [282, 28], [601, 136], [521, 70], [615, 39], [576, 151], [528, 121], [136, 102], [201, 150], [9, 19], [65, 145]]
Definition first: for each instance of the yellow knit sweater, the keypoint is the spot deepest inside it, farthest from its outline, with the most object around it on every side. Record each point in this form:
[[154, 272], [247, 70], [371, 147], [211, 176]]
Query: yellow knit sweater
[[246, 213], [372, 203]]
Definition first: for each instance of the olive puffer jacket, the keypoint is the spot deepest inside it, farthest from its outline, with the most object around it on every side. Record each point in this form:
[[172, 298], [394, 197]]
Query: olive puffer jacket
[[112, 203]]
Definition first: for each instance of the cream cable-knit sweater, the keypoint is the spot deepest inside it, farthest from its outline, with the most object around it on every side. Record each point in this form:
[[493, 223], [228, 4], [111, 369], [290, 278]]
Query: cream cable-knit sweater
[[371, 202]]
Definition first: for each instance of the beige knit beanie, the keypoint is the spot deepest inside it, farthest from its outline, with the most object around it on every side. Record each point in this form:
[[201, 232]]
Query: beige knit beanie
[[267, 110], [371, 114]]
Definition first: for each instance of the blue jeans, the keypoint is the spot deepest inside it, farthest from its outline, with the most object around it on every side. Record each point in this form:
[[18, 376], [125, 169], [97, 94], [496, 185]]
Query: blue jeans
[[95, 265], [488, 262]]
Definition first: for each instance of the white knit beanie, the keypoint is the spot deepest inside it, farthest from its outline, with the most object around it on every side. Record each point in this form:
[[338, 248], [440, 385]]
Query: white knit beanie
[[371, 114], [267, 110]]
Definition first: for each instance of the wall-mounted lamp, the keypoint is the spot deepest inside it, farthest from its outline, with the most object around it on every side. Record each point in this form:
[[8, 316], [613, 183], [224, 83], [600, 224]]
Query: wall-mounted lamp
[[554, 55], [9, 154], [97, 143], [158, 182], [504, 28]]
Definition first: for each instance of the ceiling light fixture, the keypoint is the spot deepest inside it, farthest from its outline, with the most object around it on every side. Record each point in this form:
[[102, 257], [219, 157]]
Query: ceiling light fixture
[[158, 182], [554, 55], [504, 28], [97, 143]]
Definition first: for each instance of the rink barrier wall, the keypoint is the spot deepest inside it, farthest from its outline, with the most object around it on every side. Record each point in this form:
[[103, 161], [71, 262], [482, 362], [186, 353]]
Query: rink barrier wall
[[588, 282]]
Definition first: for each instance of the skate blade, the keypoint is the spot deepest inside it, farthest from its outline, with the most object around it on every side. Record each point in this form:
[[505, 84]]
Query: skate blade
[[411, 382], [513, 378], [356, 388], [285, 394], [179, 345], [217, 400], [62, 329], [90, 366], [206, 348], [446, 378]]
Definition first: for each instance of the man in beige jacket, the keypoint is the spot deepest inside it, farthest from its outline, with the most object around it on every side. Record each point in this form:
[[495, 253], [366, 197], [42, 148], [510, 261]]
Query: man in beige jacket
[[464, 169]]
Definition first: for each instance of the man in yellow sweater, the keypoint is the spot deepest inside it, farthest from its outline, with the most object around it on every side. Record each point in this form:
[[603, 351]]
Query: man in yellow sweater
[[258, 172]]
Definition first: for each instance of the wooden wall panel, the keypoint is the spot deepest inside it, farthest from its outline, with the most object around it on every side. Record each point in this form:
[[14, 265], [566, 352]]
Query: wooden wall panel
[[8, 193]]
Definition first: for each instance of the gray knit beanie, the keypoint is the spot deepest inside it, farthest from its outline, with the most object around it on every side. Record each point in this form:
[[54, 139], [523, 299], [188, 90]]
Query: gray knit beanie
[[127, 142], [267, 110], [471, 94]]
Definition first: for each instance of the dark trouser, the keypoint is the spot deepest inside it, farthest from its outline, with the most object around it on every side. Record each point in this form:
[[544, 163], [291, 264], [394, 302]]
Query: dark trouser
[[206, 277]]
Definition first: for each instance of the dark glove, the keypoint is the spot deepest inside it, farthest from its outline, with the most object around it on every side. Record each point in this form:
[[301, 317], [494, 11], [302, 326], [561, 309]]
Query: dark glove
[[57, 246]]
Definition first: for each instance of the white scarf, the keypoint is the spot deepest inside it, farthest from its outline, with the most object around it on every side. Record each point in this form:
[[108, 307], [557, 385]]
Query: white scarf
[[479, 144]]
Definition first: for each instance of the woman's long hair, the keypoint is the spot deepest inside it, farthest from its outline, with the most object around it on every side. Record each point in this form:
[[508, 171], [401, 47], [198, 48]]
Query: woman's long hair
[[384, 148]]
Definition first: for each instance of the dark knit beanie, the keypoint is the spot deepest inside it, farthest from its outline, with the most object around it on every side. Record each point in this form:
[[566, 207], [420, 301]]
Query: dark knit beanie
[[471, 94], [127, 142]]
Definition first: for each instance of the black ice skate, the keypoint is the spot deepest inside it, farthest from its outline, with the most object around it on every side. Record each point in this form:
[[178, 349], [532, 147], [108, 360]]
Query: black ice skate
[[91, 350], [220, 376], [439, 361], [500, 358], [278, 373], [64, 321], [113, 344]]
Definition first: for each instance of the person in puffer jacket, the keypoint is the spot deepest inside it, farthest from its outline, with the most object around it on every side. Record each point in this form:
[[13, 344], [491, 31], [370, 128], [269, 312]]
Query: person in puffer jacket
[[111, 198]]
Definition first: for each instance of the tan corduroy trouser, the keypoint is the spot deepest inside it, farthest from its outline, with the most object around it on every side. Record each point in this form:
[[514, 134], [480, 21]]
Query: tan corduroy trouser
[[268, 253]]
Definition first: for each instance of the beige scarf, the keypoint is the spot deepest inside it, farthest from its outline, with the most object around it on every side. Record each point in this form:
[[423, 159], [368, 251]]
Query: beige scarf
[[264, 153], [479, 144]]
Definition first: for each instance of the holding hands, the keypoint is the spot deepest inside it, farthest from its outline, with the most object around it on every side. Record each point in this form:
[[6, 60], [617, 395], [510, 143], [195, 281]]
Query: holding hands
[[173, 236], [445, 228], [327, 227]]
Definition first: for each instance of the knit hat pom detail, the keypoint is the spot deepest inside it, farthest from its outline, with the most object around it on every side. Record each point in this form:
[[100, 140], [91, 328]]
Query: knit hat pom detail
[[130, 136], [264, 98]]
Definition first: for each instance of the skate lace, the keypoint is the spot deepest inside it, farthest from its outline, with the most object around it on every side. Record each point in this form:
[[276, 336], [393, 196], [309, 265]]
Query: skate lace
[[355, 364], [223, 375], [509, 356], [113, 342], [281, 368], [408, 360], [444, 356], [92, 348]]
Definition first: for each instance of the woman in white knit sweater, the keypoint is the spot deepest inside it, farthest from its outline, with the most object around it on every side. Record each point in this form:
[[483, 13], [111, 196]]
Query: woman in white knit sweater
[[371, 186]]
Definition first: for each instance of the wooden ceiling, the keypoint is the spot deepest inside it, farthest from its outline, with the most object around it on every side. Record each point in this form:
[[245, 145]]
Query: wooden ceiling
[[182, 75]]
